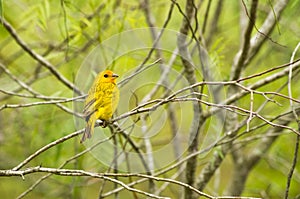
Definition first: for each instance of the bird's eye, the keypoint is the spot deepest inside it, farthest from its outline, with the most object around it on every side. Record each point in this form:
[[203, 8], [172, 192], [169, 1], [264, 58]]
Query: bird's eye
[[106, 75]]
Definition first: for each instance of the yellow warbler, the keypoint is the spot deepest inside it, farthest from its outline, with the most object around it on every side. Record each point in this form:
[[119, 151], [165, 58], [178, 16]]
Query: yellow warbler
[[101, 102]]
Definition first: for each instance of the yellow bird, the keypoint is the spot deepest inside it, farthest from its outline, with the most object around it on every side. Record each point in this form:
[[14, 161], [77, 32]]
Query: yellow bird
[[101, 102]]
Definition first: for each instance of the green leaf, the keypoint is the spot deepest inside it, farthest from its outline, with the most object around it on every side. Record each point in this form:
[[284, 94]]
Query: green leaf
[[294, 3], [44, 14], [86, 22], [220, 153]]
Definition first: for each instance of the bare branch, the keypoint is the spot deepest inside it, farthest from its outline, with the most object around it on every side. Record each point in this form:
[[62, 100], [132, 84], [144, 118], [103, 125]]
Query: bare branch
[[105, 176], [241, 56], [259, 39], [46, 147], [190, 75], [62, 166], [290, 175], [38, 57]]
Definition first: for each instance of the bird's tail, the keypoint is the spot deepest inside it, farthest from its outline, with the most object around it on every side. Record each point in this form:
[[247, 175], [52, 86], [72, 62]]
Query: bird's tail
[[89, 129]]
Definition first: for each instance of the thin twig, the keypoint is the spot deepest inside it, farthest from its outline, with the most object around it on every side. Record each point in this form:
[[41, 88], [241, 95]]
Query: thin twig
[[241, 56], [290, 175], [105, 176], [38, 57], [40, 180], [46, 147]]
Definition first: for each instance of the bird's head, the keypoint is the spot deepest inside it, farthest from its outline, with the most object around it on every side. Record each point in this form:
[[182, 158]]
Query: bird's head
[[108, 76]]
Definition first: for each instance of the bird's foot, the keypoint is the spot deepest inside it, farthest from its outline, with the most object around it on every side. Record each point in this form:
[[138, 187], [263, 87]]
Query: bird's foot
[[104, 124]]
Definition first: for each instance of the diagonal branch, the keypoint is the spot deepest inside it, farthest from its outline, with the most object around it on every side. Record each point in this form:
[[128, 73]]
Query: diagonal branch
[[215, 163], [258, 39], [243, 53], [296, 117], [105, 176], [46, 147], [38, 57], [243, 164]]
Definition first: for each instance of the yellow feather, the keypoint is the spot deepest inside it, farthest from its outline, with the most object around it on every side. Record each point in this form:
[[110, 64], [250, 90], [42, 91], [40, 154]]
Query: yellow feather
[[101, 102]]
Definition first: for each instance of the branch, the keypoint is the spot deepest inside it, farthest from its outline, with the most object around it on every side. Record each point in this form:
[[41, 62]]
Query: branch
[[105, 176], [231, 99], [190, 75], [62, 165], [38, 57], [171, 167], [244, 163], [293, 167], [209, 170], [50, 100], [232, 107], [157, 39], [158, 102], [254, 86], [258, 39], [243, 53], [46, 147], [39, 103], [290, 175]]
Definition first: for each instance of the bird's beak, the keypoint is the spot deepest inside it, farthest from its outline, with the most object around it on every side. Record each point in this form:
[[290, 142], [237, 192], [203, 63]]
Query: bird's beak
[[115, 75]]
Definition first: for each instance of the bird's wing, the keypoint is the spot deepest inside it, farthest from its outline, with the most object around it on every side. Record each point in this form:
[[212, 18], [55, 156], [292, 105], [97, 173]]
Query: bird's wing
[[115, 98], [93, 101]]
